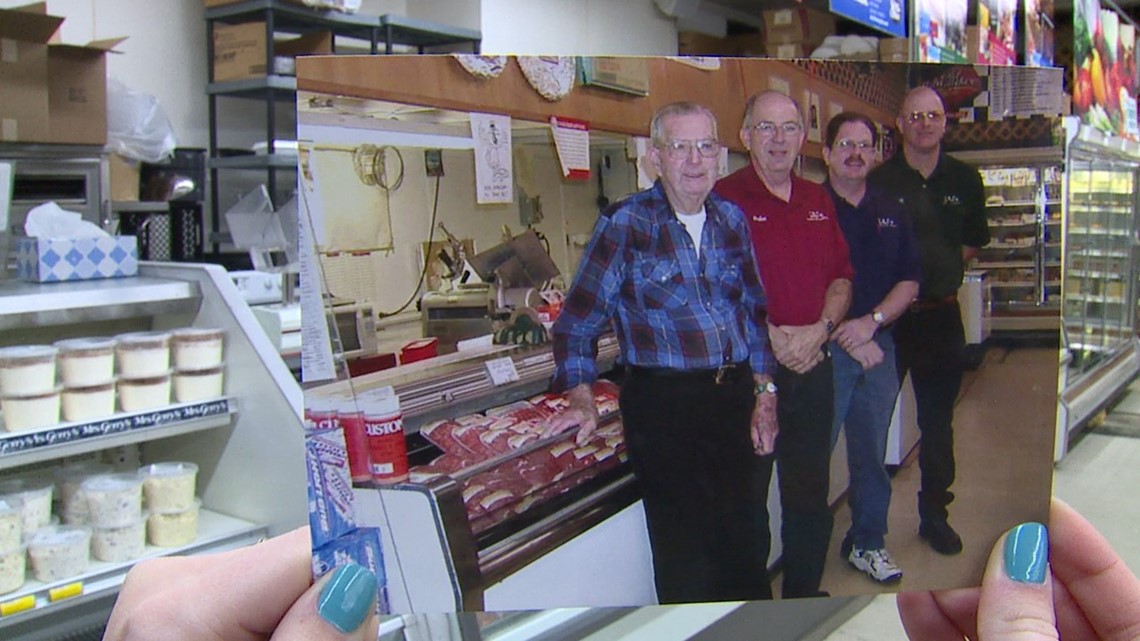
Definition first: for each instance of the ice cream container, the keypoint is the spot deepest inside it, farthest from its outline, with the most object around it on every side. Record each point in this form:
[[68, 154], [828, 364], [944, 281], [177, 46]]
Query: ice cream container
[[13, 568], [27, 369], [142, 354], [138, 394], [113, 500], [169, 487], [195, 348], [59, 552], [35, 495], [72, 502], [11, 522], [84, 362], [32, 410], [197, 385], [89, 403], [173, 528], [118, 544]]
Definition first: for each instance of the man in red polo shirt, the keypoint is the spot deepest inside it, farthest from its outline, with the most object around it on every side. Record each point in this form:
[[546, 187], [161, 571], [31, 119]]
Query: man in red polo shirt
[[804, 265]]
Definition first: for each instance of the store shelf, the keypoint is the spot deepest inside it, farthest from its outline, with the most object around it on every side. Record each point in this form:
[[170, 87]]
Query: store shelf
[[1009, 246], [37, 304], [216, 532], [1095, 274], [297, 18], [258, 161], [283, 88], [1098, 232], [1018, 203], [418, 33], [70, 439], [1012, 284], [1023, 223], [1009, 264]]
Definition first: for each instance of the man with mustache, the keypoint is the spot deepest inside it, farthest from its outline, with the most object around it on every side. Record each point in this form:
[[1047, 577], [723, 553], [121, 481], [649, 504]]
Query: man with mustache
[[670, 270], [884, 253], [807, 277], [946, 202]]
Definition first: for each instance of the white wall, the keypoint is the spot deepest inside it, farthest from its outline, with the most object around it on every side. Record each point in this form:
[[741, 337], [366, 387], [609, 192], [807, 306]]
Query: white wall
[[633, 27]]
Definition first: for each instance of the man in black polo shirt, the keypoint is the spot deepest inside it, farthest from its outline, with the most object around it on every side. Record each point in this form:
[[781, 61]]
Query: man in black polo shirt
[[945, 200]]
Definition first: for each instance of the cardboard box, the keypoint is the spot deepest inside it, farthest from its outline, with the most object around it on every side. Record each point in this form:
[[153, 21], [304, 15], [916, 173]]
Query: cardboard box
[[748, 44], [24, 36], [239, 50], [124, 178], [53, 92], [894, 49], [49, 260], [784, 26], [789, 50], [691, 43]]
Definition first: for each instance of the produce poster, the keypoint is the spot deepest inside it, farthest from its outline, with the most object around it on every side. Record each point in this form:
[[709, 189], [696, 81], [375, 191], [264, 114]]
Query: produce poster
[[1104, 78], [997, 42], [941, 29]]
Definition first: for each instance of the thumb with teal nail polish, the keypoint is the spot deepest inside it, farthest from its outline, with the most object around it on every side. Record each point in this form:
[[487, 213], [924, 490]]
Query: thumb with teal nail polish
[[342, 605], [1017, 591]]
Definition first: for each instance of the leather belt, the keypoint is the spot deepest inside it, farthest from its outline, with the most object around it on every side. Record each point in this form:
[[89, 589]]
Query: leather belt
[[723, 375], [927, 304]]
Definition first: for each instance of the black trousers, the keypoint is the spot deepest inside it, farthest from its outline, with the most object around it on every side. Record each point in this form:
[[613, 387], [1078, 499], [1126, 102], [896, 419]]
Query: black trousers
[[930, 345], [803, 452], [690, 446]]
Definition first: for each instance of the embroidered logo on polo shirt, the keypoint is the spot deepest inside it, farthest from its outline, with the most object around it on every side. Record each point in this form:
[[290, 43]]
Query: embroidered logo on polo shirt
[[951, 199], [816, 216], [760, 219], [888, 223]]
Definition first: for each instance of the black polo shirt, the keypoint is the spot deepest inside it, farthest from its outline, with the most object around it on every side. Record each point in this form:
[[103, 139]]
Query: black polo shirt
[[884, 250], [948, 211]]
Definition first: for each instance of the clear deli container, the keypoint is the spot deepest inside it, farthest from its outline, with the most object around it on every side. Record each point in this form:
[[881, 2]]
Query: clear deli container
[[113, 500], [11, 523], [118, 544], [197, 385], [84, 362], [31, 411], [142, 354], [169, 487], [88, 403], [196, 348], [68, 479], [13, 568], [173, 528], [59, 552], [27, 369], [35, 495], [138, 394]]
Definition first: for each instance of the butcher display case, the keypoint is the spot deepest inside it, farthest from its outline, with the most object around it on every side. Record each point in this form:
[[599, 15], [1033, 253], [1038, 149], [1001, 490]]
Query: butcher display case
[[492, 509], [1024, 208], [1099, 353]]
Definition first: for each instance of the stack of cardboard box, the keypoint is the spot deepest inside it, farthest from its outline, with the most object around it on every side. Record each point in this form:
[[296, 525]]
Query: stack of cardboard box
[[53, 92], [795, 33]]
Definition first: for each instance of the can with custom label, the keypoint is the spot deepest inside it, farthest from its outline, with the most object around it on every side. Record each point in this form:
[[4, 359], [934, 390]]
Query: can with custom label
[[384, 425]]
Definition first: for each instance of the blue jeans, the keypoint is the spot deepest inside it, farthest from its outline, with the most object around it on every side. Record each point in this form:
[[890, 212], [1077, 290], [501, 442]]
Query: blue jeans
[[864, 403]]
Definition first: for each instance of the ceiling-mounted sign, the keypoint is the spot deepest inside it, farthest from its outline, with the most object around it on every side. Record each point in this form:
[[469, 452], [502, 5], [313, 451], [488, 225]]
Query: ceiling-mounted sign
[[551, 76], [628, 74], [481, 66], [888, 16], [940, 27]]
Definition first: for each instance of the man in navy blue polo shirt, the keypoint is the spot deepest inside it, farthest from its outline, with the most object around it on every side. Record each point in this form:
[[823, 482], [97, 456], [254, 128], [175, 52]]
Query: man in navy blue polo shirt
[[884, 253]]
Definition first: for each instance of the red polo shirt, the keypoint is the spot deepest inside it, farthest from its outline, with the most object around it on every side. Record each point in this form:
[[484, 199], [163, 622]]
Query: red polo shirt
[[799, 245]]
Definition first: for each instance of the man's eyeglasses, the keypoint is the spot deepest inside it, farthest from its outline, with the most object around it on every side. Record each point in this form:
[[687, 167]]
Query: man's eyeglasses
[[847, 144], [678, 149], [768, 128], [929, 116]]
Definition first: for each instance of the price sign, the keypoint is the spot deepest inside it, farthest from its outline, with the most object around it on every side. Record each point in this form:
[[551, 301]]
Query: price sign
[[502, 371], [66, 591], [21, 604]]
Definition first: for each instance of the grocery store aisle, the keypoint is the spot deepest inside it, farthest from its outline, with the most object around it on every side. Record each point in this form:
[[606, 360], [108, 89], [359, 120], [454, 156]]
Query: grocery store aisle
[[1097, 477]]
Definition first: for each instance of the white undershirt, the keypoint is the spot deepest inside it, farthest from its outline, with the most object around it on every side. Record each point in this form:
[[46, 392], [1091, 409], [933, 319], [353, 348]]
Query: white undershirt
[[694, 224]]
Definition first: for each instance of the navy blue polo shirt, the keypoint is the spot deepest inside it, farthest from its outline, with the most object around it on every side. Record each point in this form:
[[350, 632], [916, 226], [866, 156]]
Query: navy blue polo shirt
[[883, 246]]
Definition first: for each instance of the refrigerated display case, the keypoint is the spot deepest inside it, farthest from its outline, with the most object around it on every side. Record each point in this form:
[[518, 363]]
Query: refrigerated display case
[[1024, 208], [1099, 353], [247, 444]]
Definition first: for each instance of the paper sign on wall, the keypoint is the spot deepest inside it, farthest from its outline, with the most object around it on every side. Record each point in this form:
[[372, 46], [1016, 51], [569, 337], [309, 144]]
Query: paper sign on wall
[[494, 182], [646, 172], [572, 140]]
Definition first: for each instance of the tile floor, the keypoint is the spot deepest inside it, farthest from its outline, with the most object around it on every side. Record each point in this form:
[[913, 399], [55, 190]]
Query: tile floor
[[1097, 477]]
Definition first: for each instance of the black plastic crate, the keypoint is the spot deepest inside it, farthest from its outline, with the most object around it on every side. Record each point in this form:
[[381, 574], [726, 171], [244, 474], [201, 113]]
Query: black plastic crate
[[157, 180], [174, 235]]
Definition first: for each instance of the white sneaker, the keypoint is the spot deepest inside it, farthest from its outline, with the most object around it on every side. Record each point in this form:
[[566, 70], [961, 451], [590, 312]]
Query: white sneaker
[[876, 564]]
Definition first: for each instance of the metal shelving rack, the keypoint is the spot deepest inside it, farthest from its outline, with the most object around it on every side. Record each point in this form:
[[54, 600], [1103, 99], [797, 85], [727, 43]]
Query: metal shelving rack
[[282, 17]]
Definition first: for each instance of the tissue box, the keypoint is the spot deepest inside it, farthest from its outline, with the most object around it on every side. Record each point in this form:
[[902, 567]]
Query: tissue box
[[49, 260]]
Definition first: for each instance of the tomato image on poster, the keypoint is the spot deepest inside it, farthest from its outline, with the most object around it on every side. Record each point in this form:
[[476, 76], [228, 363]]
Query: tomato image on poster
[[1104, 78]]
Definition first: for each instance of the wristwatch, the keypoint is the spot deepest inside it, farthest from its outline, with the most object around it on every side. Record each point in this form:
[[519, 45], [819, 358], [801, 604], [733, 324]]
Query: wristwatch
[[829, 324], [765, 388], [878, 317]]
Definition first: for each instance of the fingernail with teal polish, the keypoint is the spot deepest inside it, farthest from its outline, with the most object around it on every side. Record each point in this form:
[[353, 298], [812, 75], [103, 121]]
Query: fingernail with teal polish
[[346, 600], [1027, 553]]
